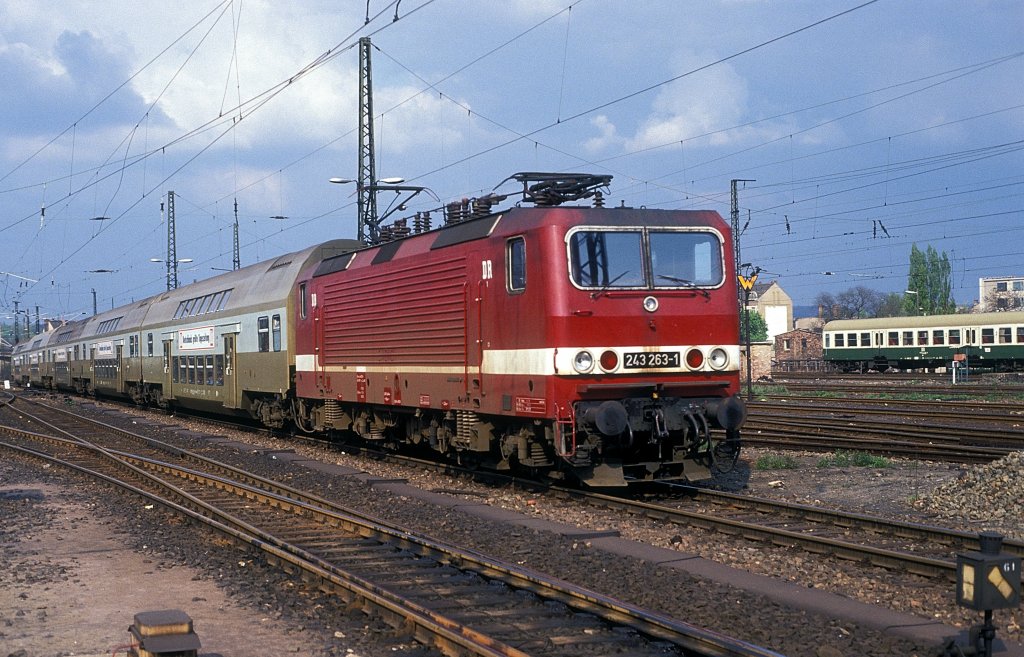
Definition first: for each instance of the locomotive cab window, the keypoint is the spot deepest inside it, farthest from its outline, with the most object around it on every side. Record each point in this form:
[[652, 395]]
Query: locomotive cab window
[[515, 264], [644, 258], [685, 259]]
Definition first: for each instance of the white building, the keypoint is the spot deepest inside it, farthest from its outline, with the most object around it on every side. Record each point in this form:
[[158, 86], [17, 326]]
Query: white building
[[997, 293]]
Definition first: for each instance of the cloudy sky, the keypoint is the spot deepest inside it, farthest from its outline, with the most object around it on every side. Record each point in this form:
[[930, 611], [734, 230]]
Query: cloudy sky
[[864, 127]]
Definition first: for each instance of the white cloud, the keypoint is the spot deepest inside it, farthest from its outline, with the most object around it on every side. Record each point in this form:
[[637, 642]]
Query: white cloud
[[697, 105], [607, 138]]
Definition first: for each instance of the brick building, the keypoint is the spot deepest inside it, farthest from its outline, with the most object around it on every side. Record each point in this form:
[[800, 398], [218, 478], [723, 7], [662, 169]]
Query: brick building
[[798, 350]]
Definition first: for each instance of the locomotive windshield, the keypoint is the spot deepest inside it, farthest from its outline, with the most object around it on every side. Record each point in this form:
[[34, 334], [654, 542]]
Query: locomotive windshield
[[645, 258]]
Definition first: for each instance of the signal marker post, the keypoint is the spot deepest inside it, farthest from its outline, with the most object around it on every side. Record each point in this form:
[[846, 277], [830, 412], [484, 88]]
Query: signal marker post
[[747, 283]]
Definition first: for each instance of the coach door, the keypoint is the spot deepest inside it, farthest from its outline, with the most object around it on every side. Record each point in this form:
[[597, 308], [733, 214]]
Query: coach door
[[230, 379], [170, 371]]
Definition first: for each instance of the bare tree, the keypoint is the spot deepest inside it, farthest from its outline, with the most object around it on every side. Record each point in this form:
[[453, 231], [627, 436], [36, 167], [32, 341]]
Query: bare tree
[[853, 303]]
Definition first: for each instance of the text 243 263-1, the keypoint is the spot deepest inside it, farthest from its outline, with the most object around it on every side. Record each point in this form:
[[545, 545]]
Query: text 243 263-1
[[646, 359]]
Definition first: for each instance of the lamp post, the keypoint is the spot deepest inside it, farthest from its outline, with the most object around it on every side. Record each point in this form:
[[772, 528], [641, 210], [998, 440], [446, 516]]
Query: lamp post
[[172, 270], [98, 271], [917, 297], [368, 223]]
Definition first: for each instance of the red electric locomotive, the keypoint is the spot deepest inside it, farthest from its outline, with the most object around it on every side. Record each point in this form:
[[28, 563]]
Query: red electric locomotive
[[597, 341]]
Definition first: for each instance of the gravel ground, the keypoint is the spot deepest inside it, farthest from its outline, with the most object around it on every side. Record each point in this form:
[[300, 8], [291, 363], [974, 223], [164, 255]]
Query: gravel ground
[[77, 564], [909, 490]]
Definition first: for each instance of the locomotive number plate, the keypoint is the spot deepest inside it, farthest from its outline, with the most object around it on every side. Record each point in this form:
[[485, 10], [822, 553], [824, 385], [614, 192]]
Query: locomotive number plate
[[647, 359]]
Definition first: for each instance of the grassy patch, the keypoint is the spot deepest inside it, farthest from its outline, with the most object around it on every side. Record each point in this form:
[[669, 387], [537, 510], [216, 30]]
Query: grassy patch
[[845, 459], [776, 462], [761, 390]]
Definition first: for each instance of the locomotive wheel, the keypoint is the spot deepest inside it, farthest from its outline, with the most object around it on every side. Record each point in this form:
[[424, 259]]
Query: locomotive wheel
[[468, 460], [725, 454]]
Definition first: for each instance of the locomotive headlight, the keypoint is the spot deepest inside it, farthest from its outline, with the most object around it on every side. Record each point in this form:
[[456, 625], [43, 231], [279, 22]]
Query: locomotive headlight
[[718, 358], [694, 359], [583, 362], [650, 304]]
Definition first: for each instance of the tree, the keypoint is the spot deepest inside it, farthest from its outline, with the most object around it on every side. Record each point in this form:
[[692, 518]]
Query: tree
[[929, 284], [858, 302], [891, 306], [758, 327]]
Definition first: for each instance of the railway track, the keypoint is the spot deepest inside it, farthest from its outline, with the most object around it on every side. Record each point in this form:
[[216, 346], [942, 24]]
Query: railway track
[[458, 602], [910, 547], [914, 548], [946, 431], [989, 413], [911, 387]]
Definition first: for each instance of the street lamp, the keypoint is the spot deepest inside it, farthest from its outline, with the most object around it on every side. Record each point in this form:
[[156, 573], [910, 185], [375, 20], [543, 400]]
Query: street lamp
[[172, 270], [368, 229], [920, 308]]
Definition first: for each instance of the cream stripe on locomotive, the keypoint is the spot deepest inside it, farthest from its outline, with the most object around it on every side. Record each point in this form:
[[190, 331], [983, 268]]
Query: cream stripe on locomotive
[[571, 361]]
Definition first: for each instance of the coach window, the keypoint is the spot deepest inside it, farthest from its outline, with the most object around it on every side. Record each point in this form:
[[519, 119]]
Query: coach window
[[1020, 334], [922, 337], [219, 369], [263, 329], [174, 369], [988, 335], [938, 337], [954, 336], [275, 331], [515, 264], [908, 338], [865, 339], [894, 338], [1005, 335], [839, 340], [302, 301], [209, 370], [149, 344]]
